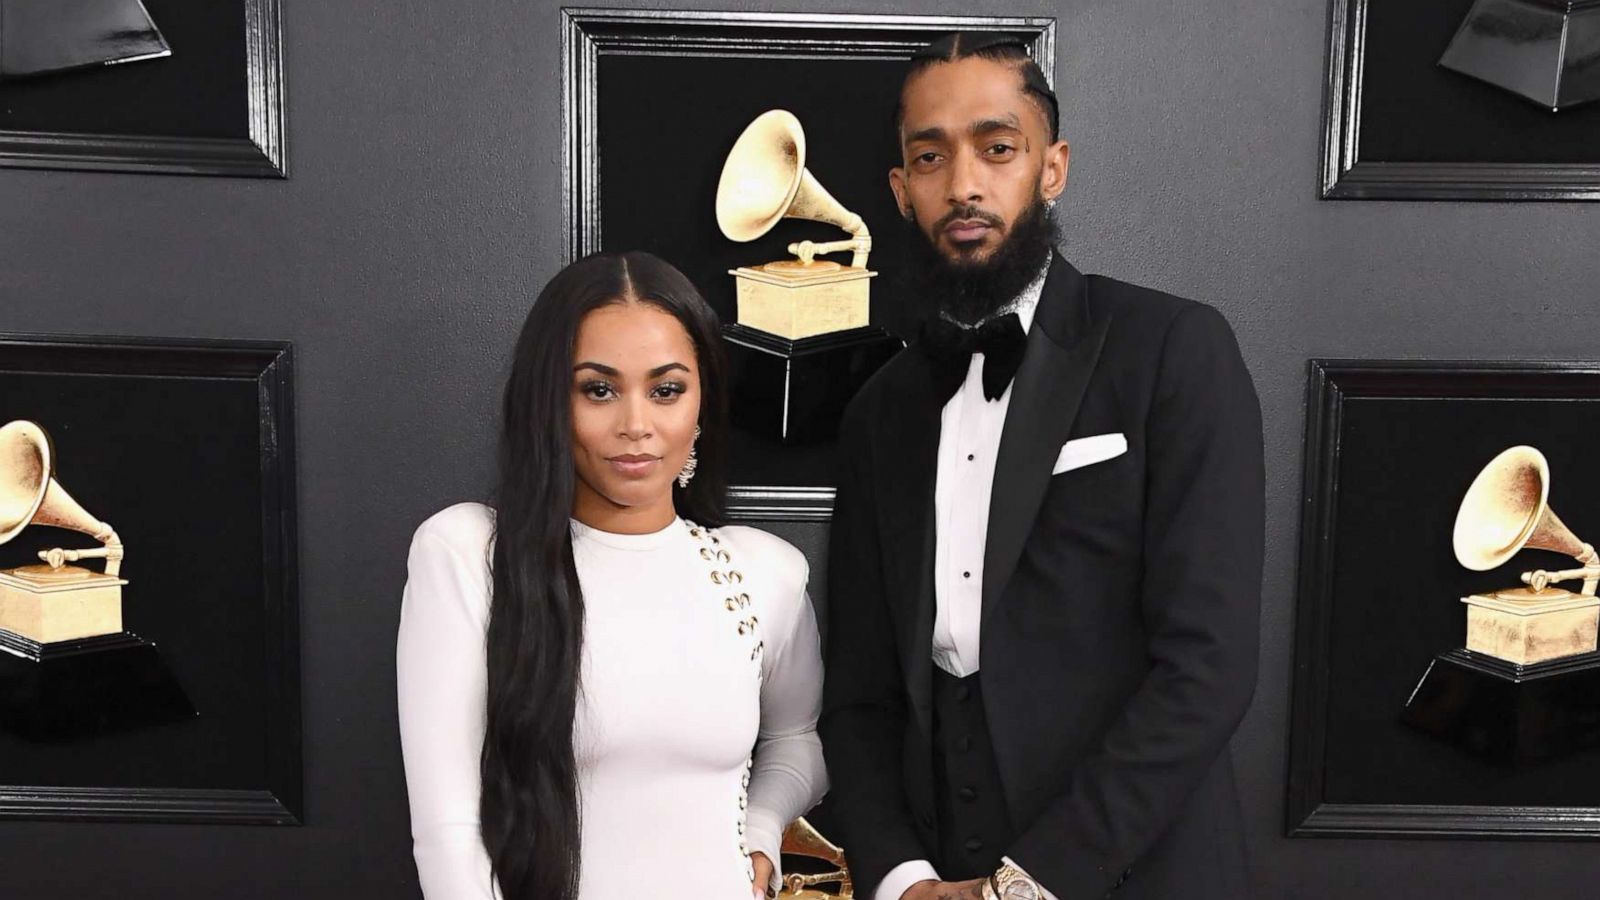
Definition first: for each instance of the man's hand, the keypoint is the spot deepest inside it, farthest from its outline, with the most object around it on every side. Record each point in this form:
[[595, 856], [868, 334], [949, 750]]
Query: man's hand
[[945, 890], [761, 887]]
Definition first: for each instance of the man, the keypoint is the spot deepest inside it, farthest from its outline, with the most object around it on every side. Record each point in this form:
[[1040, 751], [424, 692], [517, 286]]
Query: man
[[1044, 586]]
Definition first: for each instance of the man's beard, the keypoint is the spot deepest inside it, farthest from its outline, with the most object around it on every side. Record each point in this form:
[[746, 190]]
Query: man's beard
[[969, 291]]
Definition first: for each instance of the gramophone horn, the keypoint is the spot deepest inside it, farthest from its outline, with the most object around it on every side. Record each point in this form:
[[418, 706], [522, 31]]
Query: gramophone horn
[[1507, 508], [29, 495], [25, 467], [803, 839], [765, 179]]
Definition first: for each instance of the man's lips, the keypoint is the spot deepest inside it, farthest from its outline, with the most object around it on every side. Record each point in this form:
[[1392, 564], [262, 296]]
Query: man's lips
[[962, 230]]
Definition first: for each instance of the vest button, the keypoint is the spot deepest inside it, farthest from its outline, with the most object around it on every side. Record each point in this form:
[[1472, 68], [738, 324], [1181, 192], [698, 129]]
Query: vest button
[[973, 844], [967, 794]]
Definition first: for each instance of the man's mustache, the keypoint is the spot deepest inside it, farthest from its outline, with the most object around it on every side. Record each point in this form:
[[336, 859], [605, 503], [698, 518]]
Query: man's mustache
[[968, 212]]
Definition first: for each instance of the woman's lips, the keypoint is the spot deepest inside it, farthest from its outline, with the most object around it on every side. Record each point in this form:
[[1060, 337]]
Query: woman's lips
[[633, 465]]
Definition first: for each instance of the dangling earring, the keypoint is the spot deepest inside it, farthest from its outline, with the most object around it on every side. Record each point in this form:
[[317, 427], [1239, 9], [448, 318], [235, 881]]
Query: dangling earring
[[690, 464]]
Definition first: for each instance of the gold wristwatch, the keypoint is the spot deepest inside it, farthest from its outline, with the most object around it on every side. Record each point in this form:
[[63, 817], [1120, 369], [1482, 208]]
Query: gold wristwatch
[[1011, 883]]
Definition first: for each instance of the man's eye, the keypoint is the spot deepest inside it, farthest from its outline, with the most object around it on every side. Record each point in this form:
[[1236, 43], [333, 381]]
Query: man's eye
[[1001, 149], [928, 158]]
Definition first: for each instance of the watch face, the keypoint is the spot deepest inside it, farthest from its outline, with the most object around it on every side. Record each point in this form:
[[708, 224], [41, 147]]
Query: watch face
[[1020, 890]]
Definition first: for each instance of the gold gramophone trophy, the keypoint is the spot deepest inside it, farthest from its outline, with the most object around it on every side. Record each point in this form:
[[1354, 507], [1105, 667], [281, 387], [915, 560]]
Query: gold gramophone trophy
[[1526, 685], [68, 668], [802, 839], [804, 340], [53, 601], [1507, 509]]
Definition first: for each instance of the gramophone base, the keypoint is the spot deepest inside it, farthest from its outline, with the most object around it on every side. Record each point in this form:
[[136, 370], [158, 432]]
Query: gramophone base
[[69, 690], [794, 392], [1508, 713], [798, 301], [48, 606], [1526, 627]]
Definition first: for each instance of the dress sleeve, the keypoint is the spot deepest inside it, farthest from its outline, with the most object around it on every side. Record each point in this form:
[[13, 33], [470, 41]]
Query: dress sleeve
[[442, 684], [787, 777]]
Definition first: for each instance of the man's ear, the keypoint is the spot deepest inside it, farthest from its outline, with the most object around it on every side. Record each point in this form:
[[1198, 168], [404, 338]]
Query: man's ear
[[1053, 180], [897, 183]]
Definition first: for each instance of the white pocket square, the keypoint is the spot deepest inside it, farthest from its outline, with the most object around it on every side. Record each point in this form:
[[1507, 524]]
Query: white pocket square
[[1075, 454]]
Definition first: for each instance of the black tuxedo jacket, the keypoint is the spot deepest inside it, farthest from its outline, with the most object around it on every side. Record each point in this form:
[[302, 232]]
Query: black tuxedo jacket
[[1120, 609]]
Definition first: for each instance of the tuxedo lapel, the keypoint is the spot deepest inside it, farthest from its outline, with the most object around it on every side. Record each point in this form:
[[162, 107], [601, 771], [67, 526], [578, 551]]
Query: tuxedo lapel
[[1063, 347], [907, 460]]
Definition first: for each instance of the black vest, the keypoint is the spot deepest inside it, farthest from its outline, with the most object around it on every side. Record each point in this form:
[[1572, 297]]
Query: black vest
[[974, 826]]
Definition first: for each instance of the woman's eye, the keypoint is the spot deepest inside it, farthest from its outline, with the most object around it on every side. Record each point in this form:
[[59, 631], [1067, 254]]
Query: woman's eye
[[669, 391], [598, 390]]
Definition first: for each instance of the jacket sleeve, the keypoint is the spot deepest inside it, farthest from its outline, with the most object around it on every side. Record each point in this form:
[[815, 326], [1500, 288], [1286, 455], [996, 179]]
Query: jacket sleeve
[[864, 713], [1200, 604]]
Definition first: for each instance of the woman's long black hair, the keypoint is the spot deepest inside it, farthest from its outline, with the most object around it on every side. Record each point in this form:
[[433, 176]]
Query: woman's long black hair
[[529, 805]]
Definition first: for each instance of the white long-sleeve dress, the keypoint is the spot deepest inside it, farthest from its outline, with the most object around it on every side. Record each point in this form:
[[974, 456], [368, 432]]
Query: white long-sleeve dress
[[695, 732]]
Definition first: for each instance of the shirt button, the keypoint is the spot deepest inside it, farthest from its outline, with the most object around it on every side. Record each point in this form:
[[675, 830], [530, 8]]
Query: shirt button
[[970, 457], [966, 574], [973, 845]]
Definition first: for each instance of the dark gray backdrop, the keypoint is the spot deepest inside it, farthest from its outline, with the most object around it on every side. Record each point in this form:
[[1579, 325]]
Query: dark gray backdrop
[[423, 213]]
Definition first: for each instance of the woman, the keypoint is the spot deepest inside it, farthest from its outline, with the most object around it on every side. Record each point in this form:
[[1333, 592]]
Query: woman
[[601, 696]]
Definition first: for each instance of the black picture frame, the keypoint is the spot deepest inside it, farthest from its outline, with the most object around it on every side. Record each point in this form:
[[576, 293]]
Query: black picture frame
[[1427, 109], [256, 661], [1379, 435], [594, 38], [227, 95]]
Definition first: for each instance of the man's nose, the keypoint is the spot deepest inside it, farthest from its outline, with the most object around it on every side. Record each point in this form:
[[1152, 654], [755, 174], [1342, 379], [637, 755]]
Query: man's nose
[[966, 182]]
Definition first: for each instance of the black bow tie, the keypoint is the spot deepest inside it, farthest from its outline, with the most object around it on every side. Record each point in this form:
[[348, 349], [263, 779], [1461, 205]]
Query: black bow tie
[[950, 347]]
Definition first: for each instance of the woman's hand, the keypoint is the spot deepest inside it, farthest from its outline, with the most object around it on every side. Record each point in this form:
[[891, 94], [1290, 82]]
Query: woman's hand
[[761, 887]]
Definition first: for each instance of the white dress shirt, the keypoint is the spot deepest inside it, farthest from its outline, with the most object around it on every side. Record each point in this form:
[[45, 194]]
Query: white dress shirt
[[969, 442], [674, 700]]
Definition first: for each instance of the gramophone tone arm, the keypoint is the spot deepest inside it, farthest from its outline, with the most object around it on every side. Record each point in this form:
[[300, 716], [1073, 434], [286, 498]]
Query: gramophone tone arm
[[794, 882], [808, 250], [112, 553], [1539, 579]]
